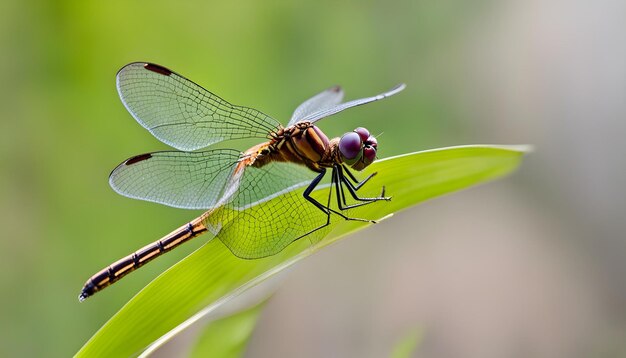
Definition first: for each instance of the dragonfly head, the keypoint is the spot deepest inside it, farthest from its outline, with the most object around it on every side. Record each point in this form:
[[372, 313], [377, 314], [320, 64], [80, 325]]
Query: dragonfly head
[[358, 148]]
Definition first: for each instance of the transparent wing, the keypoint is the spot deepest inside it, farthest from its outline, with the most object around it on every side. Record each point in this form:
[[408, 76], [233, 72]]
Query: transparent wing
[[314, 117], [281, 215], [181, 113], [256, 212], [189, 180], [324, 100]]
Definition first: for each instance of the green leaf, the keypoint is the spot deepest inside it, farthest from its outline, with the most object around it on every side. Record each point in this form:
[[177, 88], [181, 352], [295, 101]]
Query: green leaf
[[212, 275], [228, 337], [407, 344]]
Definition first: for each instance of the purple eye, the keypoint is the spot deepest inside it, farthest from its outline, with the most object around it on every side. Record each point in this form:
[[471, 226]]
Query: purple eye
[[369, 155], [363, 133], [350, 146], [371, 141]]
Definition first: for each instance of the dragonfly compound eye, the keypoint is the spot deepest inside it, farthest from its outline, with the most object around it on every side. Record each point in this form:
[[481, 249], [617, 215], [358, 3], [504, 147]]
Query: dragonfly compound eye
[[351, 148], [371, 141], [369, 155], [363, 133]]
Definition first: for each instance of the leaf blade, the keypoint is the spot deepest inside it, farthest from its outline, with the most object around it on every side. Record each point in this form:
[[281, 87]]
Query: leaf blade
[[212, 275]]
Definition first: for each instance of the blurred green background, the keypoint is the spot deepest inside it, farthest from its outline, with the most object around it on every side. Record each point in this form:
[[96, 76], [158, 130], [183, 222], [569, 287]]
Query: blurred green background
[[530, 266]]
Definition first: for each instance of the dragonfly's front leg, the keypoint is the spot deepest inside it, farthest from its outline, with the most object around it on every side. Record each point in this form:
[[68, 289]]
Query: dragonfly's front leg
[[341, 178], [357, 185], [341, 196]]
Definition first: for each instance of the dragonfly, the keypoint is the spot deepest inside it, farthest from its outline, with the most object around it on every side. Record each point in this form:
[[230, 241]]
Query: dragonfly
[[229, 184]]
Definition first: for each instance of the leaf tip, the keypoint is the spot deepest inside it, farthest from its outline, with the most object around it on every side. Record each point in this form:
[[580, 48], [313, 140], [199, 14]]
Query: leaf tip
[[523, 148], [384, 217]]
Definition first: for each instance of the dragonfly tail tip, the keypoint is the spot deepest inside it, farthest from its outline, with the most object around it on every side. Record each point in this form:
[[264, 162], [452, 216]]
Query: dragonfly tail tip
[[83, 296]]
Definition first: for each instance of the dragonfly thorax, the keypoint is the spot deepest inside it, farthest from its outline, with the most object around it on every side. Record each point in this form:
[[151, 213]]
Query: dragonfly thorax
[[306, 144], [302, 143]]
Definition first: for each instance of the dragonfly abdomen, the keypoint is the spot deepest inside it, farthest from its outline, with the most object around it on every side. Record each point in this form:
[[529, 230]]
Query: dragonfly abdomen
[[128, 264]]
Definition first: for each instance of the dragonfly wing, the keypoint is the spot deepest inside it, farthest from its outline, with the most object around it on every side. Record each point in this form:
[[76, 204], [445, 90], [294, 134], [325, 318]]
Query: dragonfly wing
[[269, 212], [323, 100], [314, 117], [181, 113], [189, 180]]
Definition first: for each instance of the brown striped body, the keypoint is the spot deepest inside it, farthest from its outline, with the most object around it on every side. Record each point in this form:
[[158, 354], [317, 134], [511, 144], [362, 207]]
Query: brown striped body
[[302, 143], [128, 264]]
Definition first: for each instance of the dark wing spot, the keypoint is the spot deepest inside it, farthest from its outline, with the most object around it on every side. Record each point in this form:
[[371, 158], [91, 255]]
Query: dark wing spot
[[157, 68], [138, 158]]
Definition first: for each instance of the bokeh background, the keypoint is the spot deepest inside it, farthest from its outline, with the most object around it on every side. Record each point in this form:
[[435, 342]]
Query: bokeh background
[[530, 266]]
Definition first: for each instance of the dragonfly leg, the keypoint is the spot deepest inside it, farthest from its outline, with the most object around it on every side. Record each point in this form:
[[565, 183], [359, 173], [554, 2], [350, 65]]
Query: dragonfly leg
[[336, 182], [341, 197], [357, 184], [352, 189], [309, 190], [326, 209]]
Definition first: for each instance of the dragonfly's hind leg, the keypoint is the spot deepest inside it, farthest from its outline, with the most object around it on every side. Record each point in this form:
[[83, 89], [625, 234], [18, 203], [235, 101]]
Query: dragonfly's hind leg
[[326, 208]]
